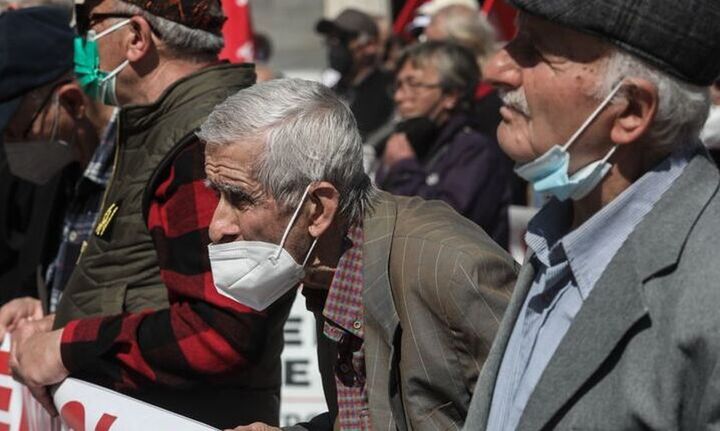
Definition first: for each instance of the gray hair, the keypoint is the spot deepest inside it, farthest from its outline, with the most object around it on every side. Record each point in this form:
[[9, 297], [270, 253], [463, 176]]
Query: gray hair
[[455, 65], [4, 4], [182, 42], [309, 135], [682, 107], [469, 28]]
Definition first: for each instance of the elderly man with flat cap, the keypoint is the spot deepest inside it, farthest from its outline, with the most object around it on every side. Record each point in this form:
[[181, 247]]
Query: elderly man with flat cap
[[139, 313], [613, 322]]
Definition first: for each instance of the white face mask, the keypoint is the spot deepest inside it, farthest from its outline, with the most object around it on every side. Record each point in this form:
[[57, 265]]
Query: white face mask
[[39, 160], [256, 273]]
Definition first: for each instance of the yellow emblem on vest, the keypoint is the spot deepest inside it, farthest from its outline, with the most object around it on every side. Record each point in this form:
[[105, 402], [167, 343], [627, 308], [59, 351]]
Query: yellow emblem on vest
[[106, 219]]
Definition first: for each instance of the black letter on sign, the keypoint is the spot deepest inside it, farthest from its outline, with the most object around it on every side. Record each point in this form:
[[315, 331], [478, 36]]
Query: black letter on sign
[[292, 331], [296, 372]]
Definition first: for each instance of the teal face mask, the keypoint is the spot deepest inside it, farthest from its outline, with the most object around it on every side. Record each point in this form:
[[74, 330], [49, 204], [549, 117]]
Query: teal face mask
[[548, 174], [96, 83]]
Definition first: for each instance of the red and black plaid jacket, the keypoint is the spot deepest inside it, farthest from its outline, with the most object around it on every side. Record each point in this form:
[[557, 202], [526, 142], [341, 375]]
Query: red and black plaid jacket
[[203, 336]]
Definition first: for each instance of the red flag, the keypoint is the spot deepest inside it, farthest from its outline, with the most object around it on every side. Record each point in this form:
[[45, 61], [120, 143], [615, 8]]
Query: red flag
[[237, 32], [406, 15], [502, 16]]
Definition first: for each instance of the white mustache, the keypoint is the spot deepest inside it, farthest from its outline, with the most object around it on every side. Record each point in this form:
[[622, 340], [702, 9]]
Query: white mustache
[[516, 100]]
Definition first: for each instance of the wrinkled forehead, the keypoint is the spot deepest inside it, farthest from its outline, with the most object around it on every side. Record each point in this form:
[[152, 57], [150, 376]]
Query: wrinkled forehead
[[244, 155]]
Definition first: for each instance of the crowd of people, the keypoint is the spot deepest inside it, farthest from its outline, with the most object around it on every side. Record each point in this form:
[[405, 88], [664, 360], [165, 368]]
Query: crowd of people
[[184, 200]]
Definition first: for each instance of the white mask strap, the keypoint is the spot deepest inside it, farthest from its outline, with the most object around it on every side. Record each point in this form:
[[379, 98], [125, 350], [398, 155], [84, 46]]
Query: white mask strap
[[56, 119], [592, 116], [307, 256], [609, 154], [109, 30], [292, 220], [115, 71]]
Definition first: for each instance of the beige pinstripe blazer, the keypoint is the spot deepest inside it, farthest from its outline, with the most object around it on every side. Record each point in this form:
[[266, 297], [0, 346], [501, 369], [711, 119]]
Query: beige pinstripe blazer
[[436, 287]]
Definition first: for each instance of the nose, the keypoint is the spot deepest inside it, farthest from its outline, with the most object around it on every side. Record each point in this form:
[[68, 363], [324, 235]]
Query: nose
[[223, 226], [400, 93], [502, 71]]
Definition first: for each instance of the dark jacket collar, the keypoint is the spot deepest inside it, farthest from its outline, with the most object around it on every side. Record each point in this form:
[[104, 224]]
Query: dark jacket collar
[[186, 90]]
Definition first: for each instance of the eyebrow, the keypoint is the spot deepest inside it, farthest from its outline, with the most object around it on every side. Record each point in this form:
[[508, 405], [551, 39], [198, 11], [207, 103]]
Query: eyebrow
[[230, 190]]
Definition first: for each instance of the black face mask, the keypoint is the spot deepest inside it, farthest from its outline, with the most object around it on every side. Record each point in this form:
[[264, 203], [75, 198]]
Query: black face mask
[[340, 58], [421, 132]]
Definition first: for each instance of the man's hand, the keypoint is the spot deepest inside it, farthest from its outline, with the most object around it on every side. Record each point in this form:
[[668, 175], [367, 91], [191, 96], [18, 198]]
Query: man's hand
[[257, 426], [17, 310], [35, 359], [397, 148]]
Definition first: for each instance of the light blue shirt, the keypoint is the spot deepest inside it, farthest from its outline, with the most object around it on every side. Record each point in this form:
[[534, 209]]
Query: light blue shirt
[[567, 267]]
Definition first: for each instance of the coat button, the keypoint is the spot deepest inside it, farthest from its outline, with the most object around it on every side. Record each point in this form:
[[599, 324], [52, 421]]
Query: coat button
[[344, 368], [432, 179]]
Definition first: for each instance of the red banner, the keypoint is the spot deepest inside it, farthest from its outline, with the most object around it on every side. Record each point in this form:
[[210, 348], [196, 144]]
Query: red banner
[[502, 16], [237, 32]]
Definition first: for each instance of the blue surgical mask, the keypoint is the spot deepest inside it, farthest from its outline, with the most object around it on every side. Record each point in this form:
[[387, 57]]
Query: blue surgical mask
[[98, 84], [548, 174]]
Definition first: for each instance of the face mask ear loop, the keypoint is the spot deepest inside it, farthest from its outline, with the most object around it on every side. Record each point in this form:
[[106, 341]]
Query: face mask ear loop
[[592, 116], [56, 119], [108, 30], [115, 71], [307, 256], [609, 154], [292, 220]]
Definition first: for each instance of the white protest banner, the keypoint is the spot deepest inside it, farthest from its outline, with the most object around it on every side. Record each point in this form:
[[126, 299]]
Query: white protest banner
[[86, 407], [12, 415], [82, 406], [302, 393]]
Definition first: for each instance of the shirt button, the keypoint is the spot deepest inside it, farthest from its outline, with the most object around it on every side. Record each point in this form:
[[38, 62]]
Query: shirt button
[[357, 324], [432, 179], [72, 236], [344, 368]]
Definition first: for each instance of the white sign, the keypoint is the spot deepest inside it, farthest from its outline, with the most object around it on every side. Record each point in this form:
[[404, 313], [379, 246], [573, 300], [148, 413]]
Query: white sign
[[84, 406], [302, 394]]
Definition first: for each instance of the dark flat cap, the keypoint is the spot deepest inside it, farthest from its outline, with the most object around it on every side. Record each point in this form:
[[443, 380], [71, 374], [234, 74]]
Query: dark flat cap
[[680, 37], [206, 15], [350, 22], [36, 48]]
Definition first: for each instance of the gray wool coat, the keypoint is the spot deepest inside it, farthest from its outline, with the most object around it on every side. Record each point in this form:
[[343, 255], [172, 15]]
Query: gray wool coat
[[643, 351]]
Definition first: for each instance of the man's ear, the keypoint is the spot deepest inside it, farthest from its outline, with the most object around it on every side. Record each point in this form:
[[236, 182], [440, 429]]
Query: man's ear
[[140, 39], [638, 112], [72, 98], [325, 203]]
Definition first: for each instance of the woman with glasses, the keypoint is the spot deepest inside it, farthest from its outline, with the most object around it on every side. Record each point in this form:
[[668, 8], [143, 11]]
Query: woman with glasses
[[436, 151]]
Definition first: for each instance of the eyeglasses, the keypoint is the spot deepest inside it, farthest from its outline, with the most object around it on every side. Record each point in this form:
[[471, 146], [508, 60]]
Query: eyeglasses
[[413, 85], [85, 22], [42, 106]]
